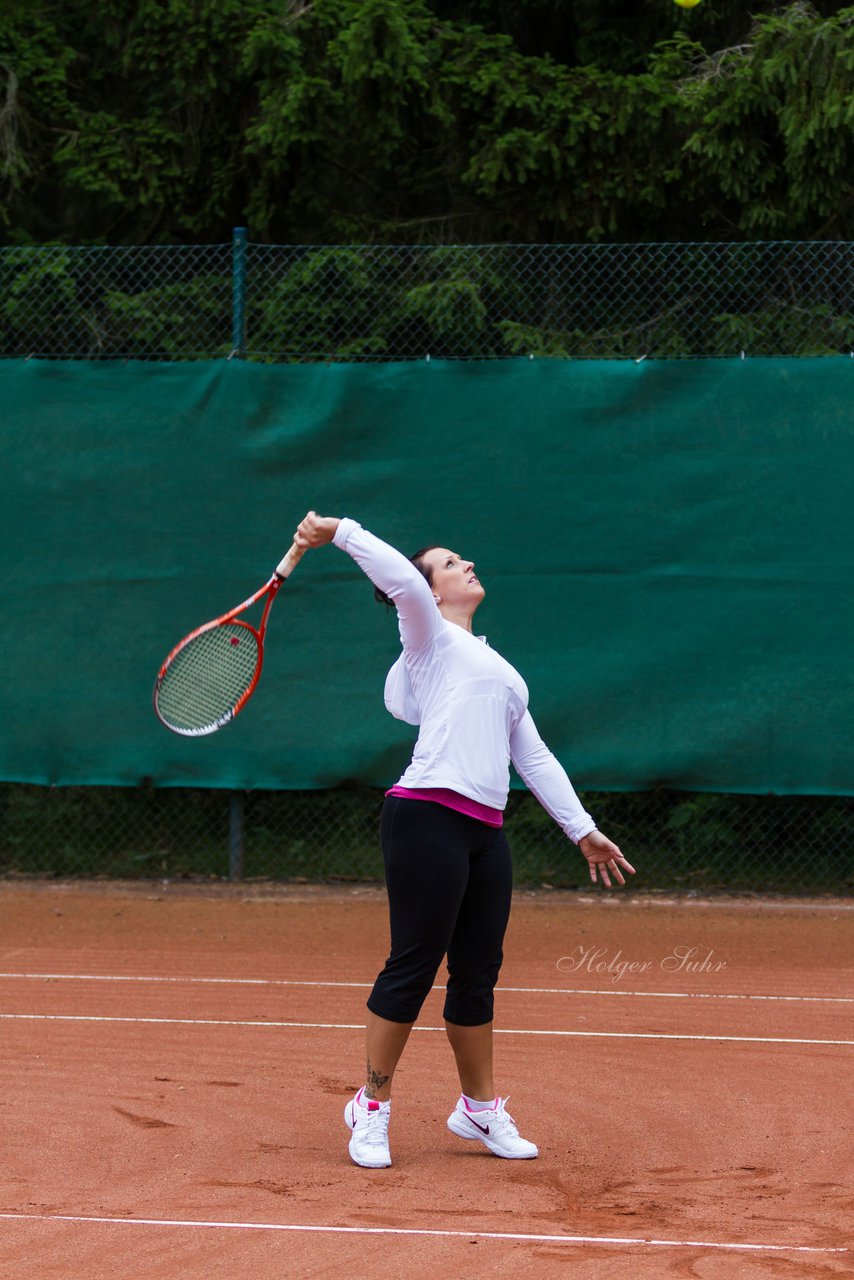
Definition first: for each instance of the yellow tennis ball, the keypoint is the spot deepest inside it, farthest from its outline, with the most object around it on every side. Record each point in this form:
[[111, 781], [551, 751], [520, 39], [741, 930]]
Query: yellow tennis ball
[[687, 4]]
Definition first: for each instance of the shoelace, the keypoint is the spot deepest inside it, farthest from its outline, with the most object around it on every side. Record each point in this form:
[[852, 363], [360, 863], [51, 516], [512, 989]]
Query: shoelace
[[506, 1119], [375, 1127]]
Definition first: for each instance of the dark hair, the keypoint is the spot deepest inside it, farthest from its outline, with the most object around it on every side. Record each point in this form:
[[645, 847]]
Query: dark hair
[[418, 560]]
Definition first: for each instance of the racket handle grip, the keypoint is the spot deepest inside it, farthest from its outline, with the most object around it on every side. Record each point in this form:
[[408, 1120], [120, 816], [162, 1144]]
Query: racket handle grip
[[288, 563]]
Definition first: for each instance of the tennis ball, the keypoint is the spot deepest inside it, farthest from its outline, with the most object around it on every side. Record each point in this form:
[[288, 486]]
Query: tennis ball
[[687, 4]]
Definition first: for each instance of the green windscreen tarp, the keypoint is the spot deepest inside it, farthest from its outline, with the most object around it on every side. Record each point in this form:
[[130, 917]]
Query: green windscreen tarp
[[667, 550]]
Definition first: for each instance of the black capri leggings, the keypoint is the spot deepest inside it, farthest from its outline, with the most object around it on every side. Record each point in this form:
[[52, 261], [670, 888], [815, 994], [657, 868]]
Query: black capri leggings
[[449, 881]]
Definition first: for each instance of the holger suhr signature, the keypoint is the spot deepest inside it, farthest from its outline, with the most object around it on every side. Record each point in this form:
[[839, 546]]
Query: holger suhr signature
[[598, 960]]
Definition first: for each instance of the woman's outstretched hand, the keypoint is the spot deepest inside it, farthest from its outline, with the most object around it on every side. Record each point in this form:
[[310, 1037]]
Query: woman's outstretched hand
[[315, 530], [603, 855]]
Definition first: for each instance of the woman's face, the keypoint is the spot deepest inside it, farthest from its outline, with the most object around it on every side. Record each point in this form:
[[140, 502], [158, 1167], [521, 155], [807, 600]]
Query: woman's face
[[454, 581]]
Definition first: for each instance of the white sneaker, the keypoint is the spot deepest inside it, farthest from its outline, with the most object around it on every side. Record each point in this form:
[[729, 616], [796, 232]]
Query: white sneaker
[[494, 1128], [369, 1121]]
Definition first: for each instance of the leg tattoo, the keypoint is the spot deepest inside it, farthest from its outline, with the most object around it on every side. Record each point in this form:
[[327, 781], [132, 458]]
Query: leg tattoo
[[375, 1082]]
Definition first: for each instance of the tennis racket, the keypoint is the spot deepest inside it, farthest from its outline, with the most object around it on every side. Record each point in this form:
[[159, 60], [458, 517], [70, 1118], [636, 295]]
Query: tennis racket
[[211, 675]]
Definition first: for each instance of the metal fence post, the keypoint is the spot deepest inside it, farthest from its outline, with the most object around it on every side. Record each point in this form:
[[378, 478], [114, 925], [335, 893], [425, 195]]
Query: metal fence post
[[238, 291], [236, 810]]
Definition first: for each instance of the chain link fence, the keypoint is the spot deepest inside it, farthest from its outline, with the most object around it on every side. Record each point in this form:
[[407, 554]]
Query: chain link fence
[[389, 302], [280, 303], [687, 842]]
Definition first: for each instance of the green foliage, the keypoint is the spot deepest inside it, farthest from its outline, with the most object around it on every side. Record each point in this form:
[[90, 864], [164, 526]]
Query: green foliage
[[375, 301], [350, 302], [425, 120], [171, 320], [325, 299], [776, 132], [37, 290], [68, 301]]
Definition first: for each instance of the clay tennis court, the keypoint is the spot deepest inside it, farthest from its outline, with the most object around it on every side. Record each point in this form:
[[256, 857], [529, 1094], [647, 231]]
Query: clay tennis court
[[176, 1061]]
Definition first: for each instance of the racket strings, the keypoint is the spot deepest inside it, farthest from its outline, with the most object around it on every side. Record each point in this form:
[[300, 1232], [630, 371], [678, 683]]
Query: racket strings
[[207, 678]]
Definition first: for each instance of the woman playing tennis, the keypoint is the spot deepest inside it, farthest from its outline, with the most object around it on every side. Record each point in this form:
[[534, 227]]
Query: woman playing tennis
[[447, 861]]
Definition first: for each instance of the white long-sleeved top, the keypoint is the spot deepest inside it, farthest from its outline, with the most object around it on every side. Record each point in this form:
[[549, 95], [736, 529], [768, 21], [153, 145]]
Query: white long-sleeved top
[[471, 705]]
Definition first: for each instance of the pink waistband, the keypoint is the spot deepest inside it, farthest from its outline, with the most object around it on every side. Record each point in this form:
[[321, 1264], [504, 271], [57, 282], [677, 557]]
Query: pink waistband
[[453, 800]]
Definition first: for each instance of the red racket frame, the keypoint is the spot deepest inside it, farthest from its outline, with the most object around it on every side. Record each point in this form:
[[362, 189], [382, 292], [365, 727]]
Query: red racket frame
[[270, 589]]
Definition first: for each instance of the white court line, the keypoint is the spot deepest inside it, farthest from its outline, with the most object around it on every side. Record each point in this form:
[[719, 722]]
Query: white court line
[[360, 1026], [417, 1231], [366, 986]]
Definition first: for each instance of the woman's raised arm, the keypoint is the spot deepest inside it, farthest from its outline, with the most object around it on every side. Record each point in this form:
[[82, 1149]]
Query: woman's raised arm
[[387, 568]]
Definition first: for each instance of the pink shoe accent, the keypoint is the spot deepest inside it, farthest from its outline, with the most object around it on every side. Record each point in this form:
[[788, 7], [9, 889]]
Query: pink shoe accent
[[373, 1106], [484, 1106]]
